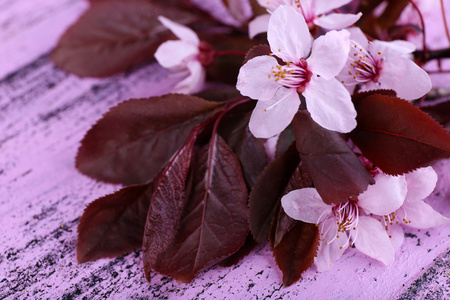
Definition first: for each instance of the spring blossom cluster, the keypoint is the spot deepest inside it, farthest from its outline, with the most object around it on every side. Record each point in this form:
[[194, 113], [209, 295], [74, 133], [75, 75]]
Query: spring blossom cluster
[[323, 73], [372, 221]]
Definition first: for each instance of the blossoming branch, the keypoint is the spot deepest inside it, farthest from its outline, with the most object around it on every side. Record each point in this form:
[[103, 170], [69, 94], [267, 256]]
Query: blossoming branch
[[292, 122]]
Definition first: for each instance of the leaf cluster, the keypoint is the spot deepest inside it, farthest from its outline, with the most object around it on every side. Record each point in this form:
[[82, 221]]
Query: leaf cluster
[[204, 192], [199, 189]]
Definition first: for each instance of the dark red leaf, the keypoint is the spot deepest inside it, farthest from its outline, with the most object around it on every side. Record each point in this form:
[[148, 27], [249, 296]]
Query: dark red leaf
[[245, 250], [439, 110], [114, 224], [396, 136], [296, 251], [258, 50], [214, 223], [285, 140], [335, 170], [219, 94], [358, 97], [267, 192], [282, 223], [167, 203], [225, 67], [135, 139], [113, 35], [249, 150]]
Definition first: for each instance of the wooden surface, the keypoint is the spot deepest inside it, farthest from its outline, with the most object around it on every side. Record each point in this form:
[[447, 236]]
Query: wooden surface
[[44, 113]]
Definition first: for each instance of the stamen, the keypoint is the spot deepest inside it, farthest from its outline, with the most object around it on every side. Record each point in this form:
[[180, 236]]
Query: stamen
[[346, 216], [293, 75], [367, 68]]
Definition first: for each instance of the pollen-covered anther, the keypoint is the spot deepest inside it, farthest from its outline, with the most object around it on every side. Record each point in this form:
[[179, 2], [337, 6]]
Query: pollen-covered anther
[[366, 67], [293, 75]]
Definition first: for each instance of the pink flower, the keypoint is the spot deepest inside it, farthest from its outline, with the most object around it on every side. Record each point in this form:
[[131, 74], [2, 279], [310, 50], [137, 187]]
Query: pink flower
[[350, 223], [308, 68], [314, 12], [384, 65], [415, 212], [186, 57]]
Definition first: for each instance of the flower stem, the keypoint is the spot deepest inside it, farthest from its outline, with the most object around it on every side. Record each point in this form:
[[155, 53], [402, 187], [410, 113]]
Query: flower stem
[[425, 52], [433, 54], [445, 20]]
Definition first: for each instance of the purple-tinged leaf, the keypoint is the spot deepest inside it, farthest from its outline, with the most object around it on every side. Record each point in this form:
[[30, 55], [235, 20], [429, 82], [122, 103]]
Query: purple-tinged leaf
[[267, 192], [225, 67], [136, 138], [214, 223], [358, 97], [439, 110], [249, 150], [258, 50], [397, 136], [282, 223], [285, 140], [113, 35], [296, 251], [114, 224], [219, 94], [245, 250], [167, 203], [335, 170]]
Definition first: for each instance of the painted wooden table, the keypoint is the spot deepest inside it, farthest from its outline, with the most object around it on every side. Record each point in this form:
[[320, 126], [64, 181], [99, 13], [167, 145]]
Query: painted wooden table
[[44, 113]]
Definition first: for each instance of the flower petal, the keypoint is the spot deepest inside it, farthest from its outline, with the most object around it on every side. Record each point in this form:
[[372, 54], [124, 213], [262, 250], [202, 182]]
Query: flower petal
[[194, 82], [403, 76], [329, 53], [358, 36], [421, 183], [272, 117], [270, 5], [393, 48], [385, 196], [182, 32], [421, 215], [324, 6], [328, 253], [371, 239], [396, 236], [258, 25], [288, 34], [305, 205], [337, 21], [330, 104], [172, 53], [255, 79]]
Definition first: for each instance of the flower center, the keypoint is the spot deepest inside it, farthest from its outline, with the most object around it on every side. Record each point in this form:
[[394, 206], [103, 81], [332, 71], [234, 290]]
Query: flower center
[[206, 54], [292, 75], [307, 9], [370, 166], [365, 66], [346, 216]]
